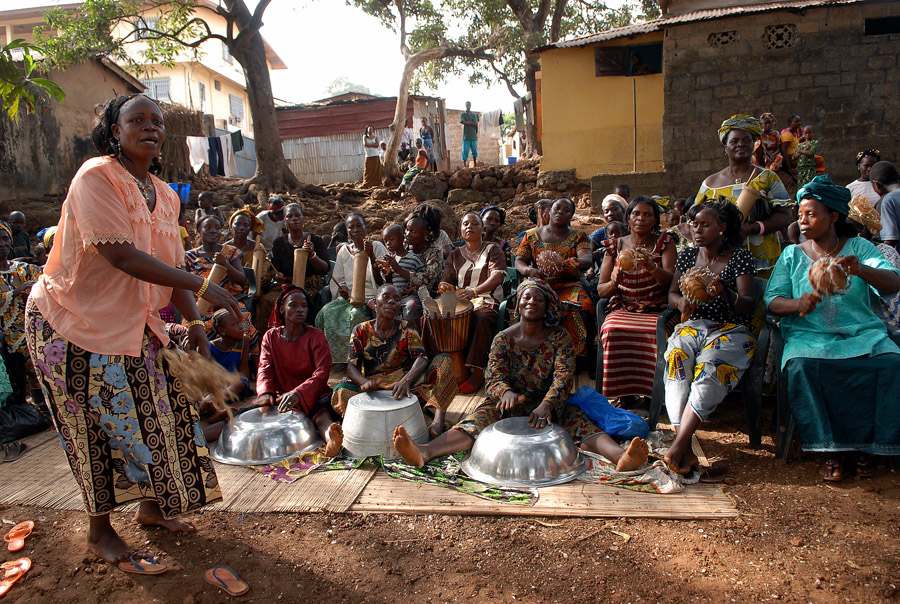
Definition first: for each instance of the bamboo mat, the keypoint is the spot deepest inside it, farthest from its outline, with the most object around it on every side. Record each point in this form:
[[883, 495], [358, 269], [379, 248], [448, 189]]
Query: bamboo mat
[[42, 478]]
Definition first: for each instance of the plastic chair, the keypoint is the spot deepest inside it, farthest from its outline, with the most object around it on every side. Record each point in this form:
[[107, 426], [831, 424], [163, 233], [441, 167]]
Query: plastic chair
[[784, 418], [750, 384], [600, 313]]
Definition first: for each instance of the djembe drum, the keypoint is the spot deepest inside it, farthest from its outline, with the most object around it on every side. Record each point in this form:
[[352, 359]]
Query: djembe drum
[[370, 421], [452, 335]]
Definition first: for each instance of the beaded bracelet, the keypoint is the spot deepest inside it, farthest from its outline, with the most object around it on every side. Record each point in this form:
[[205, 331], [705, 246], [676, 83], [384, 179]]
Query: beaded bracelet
[[190, 324], [203, 287]]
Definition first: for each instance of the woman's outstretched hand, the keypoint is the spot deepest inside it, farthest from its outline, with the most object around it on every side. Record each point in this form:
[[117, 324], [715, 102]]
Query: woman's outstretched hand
[[287, 401], [218, 296], [197, 340], [807, 303]]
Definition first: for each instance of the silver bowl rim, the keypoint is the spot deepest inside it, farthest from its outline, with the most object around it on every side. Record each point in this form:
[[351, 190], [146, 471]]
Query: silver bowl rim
[[581, 465], [216, 454]]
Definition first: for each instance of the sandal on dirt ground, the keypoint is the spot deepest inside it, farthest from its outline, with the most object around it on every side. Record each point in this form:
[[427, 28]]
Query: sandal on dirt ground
[[226, 579], [832, 470], [14, 451], [12, 572], [17, 535], [865, 466], [715, 473], [145, 565]]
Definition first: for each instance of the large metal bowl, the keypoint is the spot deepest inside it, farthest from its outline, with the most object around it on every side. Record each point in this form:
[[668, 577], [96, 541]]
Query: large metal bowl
[[263, 436], [371, 418], [512, 453]]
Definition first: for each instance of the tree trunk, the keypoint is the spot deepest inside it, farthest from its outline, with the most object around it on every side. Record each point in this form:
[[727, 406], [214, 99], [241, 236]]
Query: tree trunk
[[532, 144], [272, 172]]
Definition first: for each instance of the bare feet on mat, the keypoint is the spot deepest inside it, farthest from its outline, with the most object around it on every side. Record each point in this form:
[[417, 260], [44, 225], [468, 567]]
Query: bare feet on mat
[[407, 448], [149, 514], [109, 546], [334, 440], [634, 456]]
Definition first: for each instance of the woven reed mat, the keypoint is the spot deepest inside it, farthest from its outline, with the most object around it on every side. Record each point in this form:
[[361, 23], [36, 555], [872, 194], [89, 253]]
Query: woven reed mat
[[42, 478]]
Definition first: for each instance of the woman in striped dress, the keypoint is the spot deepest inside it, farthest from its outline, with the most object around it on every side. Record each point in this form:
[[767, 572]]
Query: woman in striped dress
[[637, 297]]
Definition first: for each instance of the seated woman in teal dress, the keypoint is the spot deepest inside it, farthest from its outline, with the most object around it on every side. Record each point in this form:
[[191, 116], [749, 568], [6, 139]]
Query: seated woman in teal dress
[[530, 373], [836, 345]]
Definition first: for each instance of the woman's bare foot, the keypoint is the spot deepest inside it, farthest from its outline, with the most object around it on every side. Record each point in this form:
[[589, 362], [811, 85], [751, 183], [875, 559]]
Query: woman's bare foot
[[437, 426], [334, 440], [634, 456], [105, 541], [149, 514], [407, 449]]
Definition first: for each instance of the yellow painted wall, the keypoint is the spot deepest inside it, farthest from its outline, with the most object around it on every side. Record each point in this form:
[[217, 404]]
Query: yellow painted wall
[[588, 122]]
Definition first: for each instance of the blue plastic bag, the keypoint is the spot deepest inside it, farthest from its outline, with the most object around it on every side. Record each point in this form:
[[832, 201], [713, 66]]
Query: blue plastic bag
[[618, 423]]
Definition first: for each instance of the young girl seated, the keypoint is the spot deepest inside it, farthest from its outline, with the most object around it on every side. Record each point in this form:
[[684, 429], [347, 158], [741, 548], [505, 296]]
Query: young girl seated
[[224, 349], [294, 365], [397, 266]]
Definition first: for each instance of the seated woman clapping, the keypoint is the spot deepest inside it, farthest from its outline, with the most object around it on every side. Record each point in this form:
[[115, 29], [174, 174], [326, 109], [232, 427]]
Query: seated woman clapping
[[712, 346], [387, 354], [530, 372], [294, 365], [841, 367]]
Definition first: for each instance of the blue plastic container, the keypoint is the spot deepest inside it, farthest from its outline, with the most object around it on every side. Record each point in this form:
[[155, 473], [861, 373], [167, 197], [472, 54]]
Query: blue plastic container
[[185, 192], [511, 160]]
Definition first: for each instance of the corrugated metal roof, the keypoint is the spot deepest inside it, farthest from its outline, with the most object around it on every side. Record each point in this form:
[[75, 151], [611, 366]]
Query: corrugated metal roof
[[700, 15], [303, 121]]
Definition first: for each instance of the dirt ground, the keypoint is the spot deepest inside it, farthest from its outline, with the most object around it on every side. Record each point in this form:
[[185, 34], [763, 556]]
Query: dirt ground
[[796, 540]]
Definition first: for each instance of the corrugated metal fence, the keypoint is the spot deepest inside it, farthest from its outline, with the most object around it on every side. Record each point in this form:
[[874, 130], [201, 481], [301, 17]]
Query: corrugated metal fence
[[245, 158], [329, 159]]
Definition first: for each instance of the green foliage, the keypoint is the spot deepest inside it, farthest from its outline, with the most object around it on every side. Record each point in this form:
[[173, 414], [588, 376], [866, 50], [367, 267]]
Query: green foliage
[[494, 24], [507, 124], [118, 29], [18, 86], [342, 85]]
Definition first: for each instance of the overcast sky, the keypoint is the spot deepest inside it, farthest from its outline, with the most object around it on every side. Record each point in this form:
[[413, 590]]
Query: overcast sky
[[322, 40]]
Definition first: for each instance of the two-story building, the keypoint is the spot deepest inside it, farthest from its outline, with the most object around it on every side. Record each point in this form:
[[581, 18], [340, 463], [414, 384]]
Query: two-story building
[[207, 80]]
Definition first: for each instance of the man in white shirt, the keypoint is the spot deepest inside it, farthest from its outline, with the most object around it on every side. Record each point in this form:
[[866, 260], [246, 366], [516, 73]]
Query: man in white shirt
[[273, 220]]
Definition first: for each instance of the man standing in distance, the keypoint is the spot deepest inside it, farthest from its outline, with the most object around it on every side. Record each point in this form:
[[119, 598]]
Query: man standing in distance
[[469, 120]]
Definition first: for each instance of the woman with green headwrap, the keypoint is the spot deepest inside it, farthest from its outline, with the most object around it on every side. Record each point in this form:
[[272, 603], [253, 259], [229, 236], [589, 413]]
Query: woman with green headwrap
[[836, 345], [772, 212]]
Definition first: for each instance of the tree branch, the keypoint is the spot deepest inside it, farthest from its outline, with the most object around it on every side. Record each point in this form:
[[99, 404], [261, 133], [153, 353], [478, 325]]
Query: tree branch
[[401, 10], [505, 78], [173, 36], [541, 17], [556, 21]]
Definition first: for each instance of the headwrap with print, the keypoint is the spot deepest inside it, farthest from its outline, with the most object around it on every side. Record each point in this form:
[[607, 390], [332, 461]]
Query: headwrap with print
[[864, 213], [822, 189], [286, 290], [551, 317], [768, 116], [46, 236], [740, 121], [256, 225], [497, 209], [5, 226]]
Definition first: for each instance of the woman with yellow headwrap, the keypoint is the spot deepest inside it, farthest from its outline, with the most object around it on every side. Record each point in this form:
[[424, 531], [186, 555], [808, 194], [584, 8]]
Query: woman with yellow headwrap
[[771, 212], [244, 227]]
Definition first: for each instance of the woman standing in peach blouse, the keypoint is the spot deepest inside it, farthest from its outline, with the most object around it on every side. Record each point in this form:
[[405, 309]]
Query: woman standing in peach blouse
[[93, 330]]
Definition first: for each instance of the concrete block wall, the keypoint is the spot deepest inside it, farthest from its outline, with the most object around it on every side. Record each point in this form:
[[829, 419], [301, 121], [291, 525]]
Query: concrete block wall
[[488, 146], [844, 83]]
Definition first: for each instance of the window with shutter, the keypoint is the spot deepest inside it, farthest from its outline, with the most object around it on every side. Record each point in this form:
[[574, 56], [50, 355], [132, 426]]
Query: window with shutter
[[237, 109], [157, 88]]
